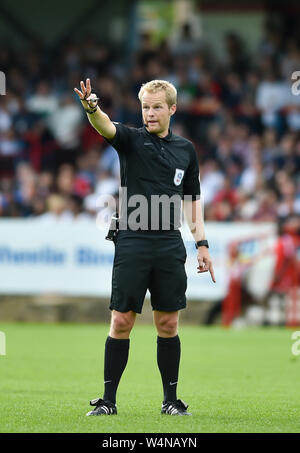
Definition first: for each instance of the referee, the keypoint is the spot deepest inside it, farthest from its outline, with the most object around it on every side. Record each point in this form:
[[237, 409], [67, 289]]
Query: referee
[[155, 166]]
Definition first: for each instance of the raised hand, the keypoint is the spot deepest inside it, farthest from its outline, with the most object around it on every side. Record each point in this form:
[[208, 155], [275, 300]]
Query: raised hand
[[85, 90], [86, 96]]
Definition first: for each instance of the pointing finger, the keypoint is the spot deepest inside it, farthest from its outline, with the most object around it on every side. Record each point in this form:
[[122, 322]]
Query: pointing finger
[[79, 93], [211, 270], [83, 89], [88, 86]]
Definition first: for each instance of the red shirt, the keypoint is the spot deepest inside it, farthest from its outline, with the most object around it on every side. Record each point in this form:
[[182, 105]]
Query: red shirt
[[287, 267]]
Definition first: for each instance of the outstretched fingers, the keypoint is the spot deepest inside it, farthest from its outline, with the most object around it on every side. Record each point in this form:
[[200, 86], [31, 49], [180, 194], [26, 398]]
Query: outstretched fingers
[[79, 93], [88, 87], [85, 89]]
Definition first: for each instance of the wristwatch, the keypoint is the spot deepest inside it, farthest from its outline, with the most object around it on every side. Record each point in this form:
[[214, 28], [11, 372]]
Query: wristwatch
[[90, 111], [201, 244]]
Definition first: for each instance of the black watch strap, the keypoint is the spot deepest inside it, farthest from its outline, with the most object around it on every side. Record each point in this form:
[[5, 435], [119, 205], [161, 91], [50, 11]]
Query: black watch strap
[[91, 110], [203, 243]]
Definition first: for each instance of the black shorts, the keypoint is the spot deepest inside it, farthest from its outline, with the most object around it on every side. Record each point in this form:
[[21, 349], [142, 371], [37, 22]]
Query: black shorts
[[149, 260]]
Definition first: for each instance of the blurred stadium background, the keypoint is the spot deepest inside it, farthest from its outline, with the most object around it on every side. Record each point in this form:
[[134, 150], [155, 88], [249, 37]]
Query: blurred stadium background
[[232, 64]]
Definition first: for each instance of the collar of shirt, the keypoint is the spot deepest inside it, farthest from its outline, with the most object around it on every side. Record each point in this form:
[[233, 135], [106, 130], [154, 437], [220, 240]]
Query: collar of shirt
[[167, 138]]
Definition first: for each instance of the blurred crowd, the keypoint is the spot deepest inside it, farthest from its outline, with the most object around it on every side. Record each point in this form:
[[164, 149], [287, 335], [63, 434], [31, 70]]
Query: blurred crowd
[[239, 111]]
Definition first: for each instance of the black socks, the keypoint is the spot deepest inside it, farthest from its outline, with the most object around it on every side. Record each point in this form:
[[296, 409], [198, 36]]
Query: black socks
[[115, 360], [168, 357], [116, 357]]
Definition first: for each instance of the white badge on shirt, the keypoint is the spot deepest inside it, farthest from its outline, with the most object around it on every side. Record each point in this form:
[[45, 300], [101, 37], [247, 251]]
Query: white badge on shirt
[[178, 176]]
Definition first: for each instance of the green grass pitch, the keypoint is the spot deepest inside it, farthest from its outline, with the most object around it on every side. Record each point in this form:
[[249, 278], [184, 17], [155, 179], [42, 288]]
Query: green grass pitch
[[233, 380]]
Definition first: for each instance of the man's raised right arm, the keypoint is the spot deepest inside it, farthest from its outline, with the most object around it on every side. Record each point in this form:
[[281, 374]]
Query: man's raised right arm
[[98, 119]]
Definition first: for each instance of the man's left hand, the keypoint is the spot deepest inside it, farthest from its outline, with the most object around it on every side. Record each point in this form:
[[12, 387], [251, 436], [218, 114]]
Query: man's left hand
[[205, 262]]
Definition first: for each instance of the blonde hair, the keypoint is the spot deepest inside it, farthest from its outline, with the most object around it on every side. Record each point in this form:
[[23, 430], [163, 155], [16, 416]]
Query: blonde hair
[[157, 85]]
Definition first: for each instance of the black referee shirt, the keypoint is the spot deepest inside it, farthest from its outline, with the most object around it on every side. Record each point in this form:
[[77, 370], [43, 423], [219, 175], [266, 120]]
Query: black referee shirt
[[156, 174]]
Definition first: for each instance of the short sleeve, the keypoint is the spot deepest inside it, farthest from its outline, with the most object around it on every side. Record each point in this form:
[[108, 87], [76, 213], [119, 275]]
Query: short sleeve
[[122, 140], [191, 183]]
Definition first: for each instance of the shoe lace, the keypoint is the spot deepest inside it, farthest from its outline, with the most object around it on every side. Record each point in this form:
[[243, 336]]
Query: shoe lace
[[100, 402], [180, 405]]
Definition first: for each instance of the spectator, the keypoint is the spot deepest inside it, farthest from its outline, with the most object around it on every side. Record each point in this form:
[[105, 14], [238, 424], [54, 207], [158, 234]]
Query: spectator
[[65, 123], [42, 102], [251, 175], [65, 179], [186, 44], [75, 208], [56, 210], [212, 180], [240, 114], [270, 99], [236, 58]]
